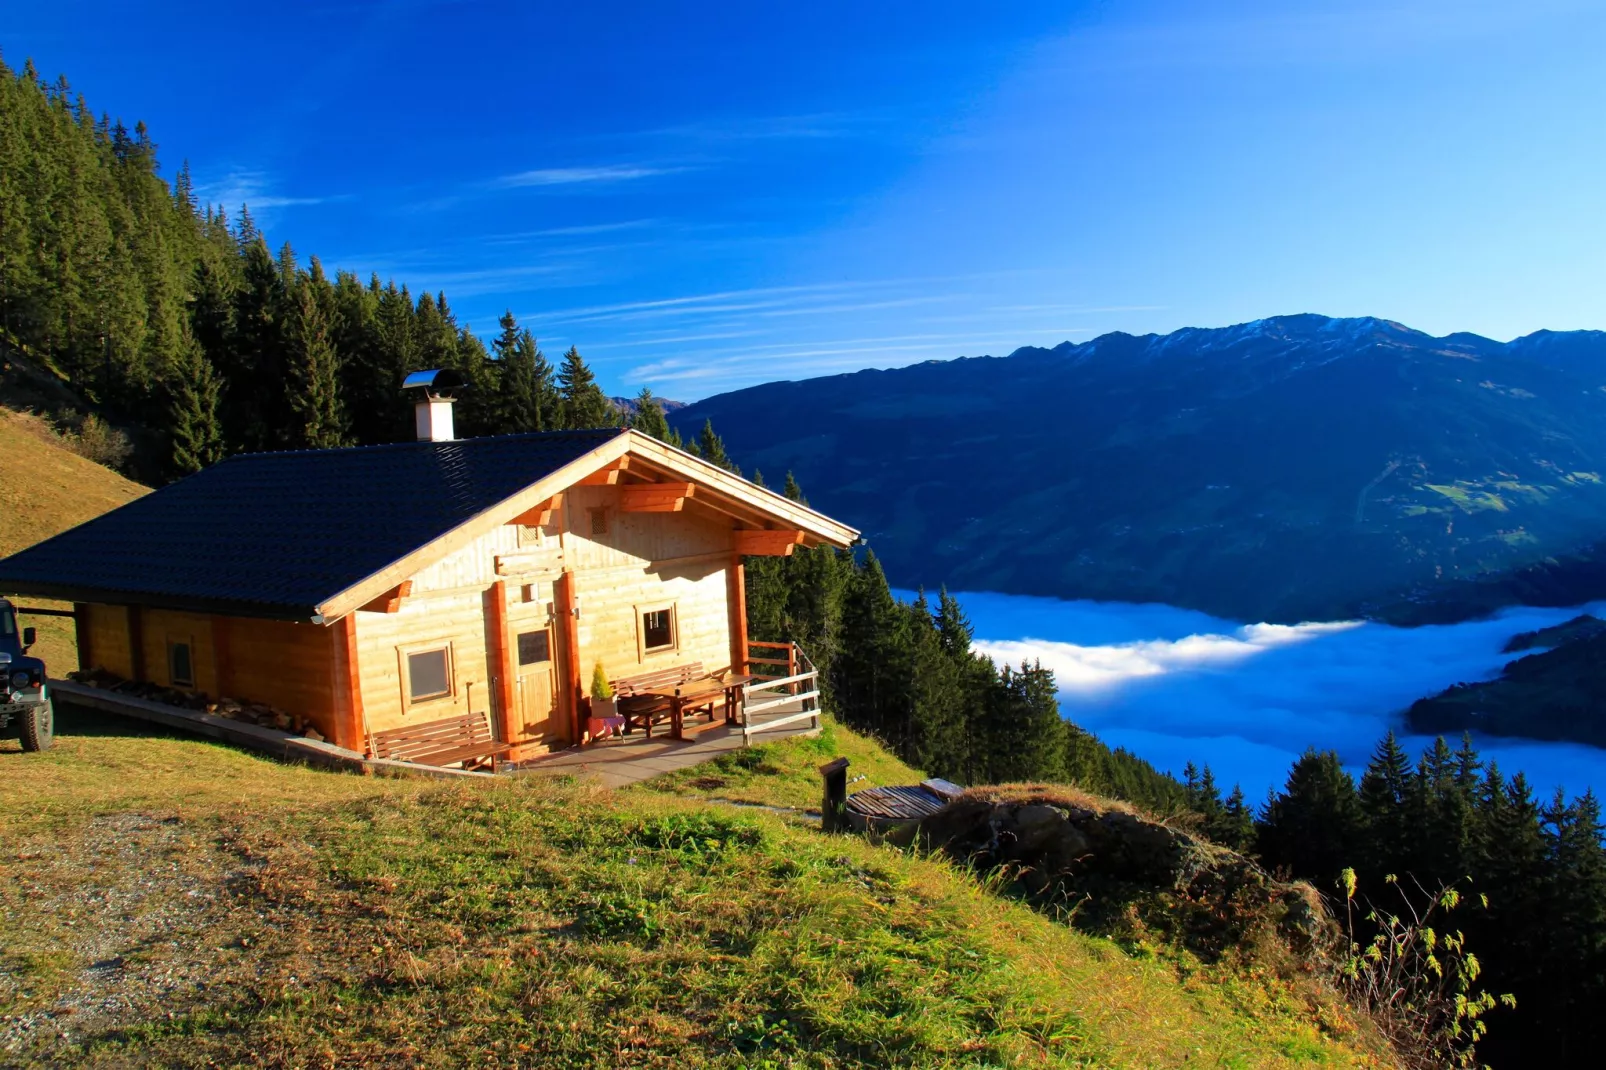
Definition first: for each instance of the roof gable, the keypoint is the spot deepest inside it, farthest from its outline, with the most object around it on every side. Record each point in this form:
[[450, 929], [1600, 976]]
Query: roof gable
[[311, 535]]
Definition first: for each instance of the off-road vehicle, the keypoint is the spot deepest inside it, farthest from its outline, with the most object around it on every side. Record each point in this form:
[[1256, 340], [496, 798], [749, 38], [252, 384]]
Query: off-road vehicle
[[24, 698]]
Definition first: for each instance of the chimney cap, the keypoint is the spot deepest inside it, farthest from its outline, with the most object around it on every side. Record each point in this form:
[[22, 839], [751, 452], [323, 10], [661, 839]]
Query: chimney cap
[[436, 383]]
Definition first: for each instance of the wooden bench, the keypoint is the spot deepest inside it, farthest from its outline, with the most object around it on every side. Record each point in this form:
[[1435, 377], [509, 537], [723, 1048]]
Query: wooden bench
[[641, 699], [465, 739]]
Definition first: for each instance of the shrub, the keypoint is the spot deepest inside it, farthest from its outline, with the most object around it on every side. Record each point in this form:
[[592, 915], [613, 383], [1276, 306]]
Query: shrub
[[1418, 981]]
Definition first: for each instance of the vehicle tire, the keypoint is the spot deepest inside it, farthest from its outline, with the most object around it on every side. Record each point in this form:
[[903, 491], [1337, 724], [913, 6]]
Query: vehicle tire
[[39, 727]]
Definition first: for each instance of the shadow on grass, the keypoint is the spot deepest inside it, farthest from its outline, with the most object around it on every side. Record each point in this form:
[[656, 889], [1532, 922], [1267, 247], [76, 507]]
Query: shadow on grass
[[74, 720]]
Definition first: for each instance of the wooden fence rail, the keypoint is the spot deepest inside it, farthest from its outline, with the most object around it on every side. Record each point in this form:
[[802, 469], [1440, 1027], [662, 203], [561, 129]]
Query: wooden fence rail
[[801, 681]]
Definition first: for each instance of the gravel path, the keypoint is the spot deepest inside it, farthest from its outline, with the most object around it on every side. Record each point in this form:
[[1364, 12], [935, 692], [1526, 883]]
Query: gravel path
[[132, 918]]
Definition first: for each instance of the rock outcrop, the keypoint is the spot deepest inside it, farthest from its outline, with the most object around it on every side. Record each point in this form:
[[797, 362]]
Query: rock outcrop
[[1120, 873]]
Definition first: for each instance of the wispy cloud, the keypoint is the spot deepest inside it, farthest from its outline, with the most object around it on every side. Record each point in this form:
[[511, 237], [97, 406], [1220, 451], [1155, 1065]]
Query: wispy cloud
[[584, 176], [814, 126], [798, 359], [591, 228], [254, 189]]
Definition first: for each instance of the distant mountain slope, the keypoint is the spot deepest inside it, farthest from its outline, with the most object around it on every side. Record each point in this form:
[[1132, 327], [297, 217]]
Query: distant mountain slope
[[1559, 693], [627, 406], [1289, 468]]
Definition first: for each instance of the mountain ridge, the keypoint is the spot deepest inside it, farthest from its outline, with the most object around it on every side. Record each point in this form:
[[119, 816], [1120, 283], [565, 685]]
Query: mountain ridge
[[1288, 468]]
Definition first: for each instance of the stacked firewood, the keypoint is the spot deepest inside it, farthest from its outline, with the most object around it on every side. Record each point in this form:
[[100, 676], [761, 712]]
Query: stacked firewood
[[249, 712]]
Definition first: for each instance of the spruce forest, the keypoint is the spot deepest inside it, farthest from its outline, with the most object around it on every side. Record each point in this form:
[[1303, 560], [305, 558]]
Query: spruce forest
[[183, 326]]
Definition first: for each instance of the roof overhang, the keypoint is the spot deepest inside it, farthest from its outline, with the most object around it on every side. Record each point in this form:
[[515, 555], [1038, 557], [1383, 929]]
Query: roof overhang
[[149, 600], [645, 459]]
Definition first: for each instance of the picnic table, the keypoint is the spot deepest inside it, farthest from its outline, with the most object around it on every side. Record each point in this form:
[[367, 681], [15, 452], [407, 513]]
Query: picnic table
[[701, 691]]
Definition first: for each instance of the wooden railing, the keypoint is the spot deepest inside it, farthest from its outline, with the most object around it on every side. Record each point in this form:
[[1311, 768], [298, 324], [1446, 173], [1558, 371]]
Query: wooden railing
[[801, 683]]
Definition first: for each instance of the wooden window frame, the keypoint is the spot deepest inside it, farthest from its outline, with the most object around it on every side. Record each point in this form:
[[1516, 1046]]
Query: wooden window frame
[[403, 653], [174, 641], [643, 651], [532, 537]]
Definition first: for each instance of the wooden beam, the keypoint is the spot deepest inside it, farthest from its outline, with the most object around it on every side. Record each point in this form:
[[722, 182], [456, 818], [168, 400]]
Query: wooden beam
[[655, 497], [736, 583], [391, 600], [606, 476], [541, 515], [80, 624], [502, 659], [136, 644], [569, 683], [767, 543], [350, 722], [222, 657]]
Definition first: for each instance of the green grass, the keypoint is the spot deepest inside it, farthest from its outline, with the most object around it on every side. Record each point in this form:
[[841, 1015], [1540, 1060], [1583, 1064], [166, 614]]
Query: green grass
[[540, 921], [786, 774], [1469, 498]]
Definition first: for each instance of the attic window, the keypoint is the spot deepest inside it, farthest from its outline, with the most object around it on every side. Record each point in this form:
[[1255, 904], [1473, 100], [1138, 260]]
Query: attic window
[[531, 535], [599, 521], [180, 664]]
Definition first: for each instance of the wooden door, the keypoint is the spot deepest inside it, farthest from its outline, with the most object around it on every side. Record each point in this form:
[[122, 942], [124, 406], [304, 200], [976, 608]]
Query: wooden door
[[535, 689]]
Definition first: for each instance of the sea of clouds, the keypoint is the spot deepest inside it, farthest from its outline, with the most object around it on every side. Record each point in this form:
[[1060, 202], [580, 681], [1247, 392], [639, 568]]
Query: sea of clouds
[[1175, 686]]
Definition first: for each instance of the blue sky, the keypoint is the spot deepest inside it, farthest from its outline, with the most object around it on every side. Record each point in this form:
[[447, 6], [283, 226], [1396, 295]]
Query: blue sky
[[705, 196]]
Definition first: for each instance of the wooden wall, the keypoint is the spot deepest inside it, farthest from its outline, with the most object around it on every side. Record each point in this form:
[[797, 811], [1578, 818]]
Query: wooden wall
[[458, 617], [287, 666], [642, 560], [646, 559]]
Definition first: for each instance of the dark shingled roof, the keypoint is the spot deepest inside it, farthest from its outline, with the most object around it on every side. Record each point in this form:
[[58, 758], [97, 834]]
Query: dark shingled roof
[[278, 534]]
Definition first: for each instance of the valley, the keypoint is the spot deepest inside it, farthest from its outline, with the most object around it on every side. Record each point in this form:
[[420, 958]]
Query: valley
[[1177, 686]]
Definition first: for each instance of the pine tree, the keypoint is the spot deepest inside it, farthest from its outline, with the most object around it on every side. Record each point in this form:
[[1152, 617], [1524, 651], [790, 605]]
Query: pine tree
[[1236, 828], [711, 448], [583, 403], [1313, 826], [314, 373], [649, 417], [1382, 799], [194, 393], [525, 388]]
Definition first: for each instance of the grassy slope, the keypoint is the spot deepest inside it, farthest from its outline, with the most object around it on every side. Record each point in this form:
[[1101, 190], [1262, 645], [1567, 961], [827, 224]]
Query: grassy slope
[[179, 903], [44, 490]]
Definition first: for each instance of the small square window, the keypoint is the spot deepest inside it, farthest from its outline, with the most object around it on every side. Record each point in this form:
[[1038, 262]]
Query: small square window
[[180, 665], [531, 536], [428, 675], [599, 521], [534, 647], [658, 629]]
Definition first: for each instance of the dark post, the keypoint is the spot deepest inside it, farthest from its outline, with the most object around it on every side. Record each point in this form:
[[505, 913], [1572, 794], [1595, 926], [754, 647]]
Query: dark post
[[835, 775]]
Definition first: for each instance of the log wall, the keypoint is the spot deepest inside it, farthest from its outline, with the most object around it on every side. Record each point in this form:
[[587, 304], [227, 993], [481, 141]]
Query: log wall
[[641, 561], [284, 665]]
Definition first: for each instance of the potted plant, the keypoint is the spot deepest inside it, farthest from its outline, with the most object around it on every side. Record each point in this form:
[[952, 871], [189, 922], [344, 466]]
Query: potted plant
[[602, 700]]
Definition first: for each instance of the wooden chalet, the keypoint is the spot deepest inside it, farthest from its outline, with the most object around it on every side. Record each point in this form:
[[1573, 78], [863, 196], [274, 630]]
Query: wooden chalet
[[423, 598]]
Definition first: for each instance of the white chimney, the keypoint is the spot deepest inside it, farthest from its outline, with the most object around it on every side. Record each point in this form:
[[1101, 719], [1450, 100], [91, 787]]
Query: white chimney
[[432, 413], [434, 418]]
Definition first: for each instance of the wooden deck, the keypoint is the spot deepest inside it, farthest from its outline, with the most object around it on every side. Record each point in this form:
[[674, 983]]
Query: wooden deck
[[634, 758]]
